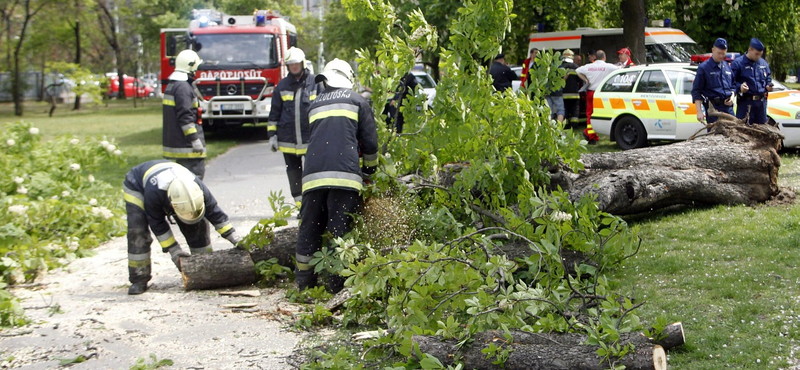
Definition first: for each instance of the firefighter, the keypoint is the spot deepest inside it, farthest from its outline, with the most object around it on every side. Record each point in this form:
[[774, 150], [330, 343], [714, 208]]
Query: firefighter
[[182, 135], [572, 98], [156, 190], [288, 129], [342, 129]]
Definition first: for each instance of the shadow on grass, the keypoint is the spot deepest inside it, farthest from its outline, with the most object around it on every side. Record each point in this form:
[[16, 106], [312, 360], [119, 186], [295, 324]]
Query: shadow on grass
[[655, 215]]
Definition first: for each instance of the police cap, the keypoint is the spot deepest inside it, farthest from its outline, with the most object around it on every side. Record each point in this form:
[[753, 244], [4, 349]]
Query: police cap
[[721, 44]]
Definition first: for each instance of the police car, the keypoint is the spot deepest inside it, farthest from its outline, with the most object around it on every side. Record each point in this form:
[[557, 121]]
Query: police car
[[640, 104]]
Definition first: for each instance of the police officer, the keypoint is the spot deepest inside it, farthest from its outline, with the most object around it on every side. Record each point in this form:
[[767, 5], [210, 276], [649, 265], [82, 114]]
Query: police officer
[[406, 88], [342, 129], [502, 73], [713, 83], [752, 80], [288, 129], [155, 191], [182, 135]]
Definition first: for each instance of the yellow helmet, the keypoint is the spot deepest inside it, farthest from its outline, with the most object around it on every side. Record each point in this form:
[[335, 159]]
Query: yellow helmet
[[187, 199]]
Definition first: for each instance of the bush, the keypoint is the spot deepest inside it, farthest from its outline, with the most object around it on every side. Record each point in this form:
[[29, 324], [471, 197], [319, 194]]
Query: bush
[[52, 210]]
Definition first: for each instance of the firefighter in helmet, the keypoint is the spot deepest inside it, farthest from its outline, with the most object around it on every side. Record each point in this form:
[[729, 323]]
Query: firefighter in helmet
[[288, 128], [342, 130], [155, 191], [182, 136]]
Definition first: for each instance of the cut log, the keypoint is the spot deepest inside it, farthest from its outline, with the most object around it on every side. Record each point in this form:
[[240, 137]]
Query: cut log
[[539, 357], [737, 164], [282, 248], [225, 268]]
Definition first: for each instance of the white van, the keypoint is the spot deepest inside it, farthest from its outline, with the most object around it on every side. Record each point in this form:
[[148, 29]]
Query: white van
[[664, 45]]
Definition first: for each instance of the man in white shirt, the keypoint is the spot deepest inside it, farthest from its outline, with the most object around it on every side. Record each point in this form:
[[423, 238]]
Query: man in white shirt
[[593, 74]]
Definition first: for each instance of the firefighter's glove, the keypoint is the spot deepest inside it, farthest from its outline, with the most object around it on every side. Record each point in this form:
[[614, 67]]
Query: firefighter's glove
[[236, 240], [175, 252], [197, 146], [273, 143]]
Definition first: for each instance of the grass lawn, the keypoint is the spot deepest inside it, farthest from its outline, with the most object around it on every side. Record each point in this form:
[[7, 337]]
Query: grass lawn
[[136, 130], [793, 86]]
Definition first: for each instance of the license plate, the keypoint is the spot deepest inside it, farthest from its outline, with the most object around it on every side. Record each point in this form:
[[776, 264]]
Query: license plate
[[232, 106]]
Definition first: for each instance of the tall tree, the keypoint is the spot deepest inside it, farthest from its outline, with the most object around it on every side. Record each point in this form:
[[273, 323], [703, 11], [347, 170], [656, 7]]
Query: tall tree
[[29, 11], [107, 16], [633, 23]]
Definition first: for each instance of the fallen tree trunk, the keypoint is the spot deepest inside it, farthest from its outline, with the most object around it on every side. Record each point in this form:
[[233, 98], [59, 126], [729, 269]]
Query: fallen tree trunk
[[552, 351], [225, 268], [735, 164], [281, 248], [540, 357]]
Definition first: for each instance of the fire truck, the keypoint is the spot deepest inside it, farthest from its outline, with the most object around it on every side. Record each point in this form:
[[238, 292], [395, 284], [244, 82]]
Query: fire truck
[[242, 63]]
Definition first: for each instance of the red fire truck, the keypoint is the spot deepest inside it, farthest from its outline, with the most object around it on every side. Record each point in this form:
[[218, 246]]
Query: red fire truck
[[242, 63]]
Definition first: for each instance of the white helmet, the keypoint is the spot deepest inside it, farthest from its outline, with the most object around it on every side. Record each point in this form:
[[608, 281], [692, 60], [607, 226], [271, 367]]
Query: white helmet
[[187, 61], [337, 73], [187, 199], [295, 55]]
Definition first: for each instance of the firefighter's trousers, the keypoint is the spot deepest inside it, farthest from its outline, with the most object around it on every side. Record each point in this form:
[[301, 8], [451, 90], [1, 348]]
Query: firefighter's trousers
[[294, 171], [196, 165], [322, 210]]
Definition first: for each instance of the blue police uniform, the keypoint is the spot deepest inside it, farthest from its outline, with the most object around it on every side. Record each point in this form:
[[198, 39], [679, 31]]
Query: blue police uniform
[[713, 83], [757, 76]]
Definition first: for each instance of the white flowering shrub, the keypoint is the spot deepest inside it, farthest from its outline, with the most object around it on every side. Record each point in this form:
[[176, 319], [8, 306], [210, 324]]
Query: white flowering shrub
[[52, 210]]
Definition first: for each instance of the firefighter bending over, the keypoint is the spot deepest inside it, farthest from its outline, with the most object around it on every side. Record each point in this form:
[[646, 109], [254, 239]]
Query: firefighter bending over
[[155, 191], [288, 128], [342, 125], [182, 136]]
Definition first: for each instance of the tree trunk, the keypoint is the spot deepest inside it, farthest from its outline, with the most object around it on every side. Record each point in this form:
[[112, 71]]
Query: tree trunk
[[282, 248], [549, 356], [737, 165], [633, 24], [672, 336], [226, 268], [77, 29]]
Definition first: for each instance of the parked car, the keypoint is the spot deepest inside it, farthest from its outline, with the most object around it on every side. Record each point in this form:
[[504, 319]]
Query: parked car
[[137, 87], [427, 84], [640, 104]]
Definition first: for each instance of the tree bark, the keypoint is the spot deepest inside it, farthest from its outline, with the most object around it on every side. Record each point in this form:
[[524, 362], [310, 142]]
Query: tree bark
[[737, 165], [549, 356], [77, 29], [633, 24], [282, 248], [672, 336], [226, 268], [109, 24]]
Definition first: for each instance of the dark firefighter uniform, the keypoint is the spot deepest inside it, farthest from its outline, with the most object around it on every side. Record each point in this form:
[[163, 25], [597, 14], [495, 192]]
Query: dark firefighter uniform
[[342, 128], [758, 76], [288, 119], [148, 206], [572, 98], [713, 84], [181, 128]]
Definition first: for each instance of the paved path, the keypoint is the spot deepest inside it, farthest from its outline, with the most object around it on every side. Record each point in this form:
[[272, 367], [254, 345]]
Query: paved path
[[101, 322]]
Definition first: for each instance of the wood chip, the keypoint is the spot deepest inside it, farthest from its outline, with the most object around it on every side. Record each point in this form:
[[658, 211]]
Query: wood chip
[[239, 305], [242, 293]]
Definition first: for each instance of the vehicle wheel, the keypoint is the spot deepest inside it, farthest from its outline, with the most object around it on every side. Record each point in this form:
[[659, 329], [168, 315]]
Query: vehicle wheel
[[630, 134]]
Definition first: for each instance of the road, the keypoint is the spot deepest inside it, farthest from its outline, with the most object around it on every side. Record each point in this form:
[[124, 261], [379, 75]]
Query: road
[[98, 320]]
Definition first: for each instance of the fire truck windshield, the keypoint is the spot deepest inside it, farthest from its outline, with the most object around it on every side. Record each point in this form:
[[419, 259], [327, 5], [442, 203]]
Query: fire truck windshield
[[236, 50]]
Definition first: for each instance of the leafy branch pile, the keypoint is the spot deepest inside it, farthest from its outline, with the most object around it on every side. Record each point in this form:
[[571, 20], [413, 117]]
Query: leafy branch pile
[[485, 242], [52, 210]]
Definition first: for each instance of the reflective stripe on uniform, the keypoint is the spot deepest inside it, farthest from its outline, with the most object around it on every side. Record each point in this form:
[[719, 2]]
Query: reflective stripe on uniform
[[168, 100], [182, 153], [272, 126], [287, 95], [138, 259], [312, 97], [132, 196], [371, 160], [189, 129], [332, 178], [223, 227], [166, 240], [303, 262], [298, 130], [201, 250], [292, 148], [334, 110]]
